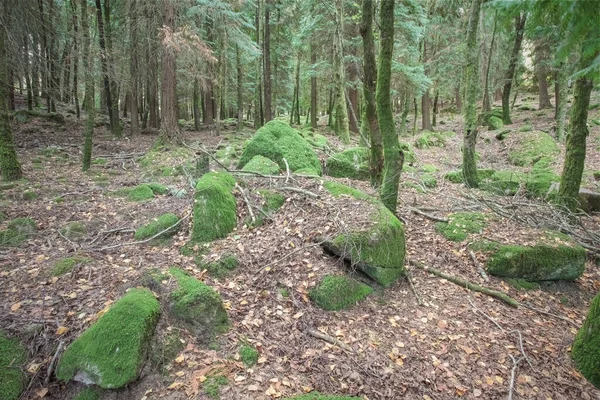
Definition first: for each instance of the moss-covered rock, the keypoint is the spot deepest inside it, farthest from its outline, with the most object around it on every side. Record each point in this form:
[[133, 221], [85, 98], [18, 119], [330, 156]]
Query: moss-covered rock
[[504, 182], [336, 292], [262, 165], [158, 225], [541, 178], [586, 347], [198, 306], [214, 207], [157, 188], [351, 163], [460, 225], [316, 140], [67, 264], [276, 140], [248, 354], [111, 352], [494, 123], [17, 231], [429, 139], [529, 147], [555, 257], [222, 267], [377, 250], [73, 230], [319, 396], [141, 193], [12, 358]]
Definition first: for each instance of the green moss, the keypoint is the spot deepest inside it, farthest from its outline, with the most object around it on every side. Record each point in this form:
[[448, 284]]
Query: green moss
[[410, 157], [316, 140], [351, 163], [531, 147], [543, 262], [262, 165], [66, 265], [17, 231], [73, 230], [121, 192], [111, 352], [541, 178], [272, 202], [484, 245], [198, 306], [504, 182], [276, 140], [460, 225], [428, 181], [221, 267], [337, 189], [166, 349], [248, 355], [140, 193], [307, 172], [212, 385], [494, 123], [99, 161], [89, 393], [29, 195], [586, 347], [157, 188], [430, 169], [215, 207], [526, 128], [337, 292], [429, 139], [319, 396], [522, 284], [158, 225], [284, 292], [457, 176], [12, 358]]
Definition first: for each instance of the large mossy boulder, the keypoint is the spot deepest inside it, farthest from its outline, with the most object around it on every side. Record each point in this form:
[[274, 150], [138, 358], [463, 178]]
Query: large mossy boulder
[[261, 165], [12, 358], [586, 347], [527, 148], [198, 306], [377, 249], [112, 351], [337, 292], [214, 207], [276, 140], [17, 231], [351, 163], [555, 257], [164, 223]]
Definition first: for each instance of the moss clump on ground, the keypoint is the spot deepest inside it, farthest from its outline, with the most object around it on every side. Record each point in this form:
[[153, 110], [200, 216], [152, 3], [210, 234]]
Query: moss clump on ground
[[212, 385], [460, 225], [429, 139], [526, 128], [351, 163], [262, 165], [316, 140], [198, 306], [66, 265], [504, 182], [319, 396], [337, 292], [89, 393], [410, 157], [276, 140], [157, 188], [140, 193], [494, 123], [73, 230], [531, 147], [586, 347], [428, 168], [222, 267], [378, 250], [29, 195], [157, 225], [307, 172], [248, 354], [111, 352], [12, 357], [17, 231], [457, 176], [554, 258], [428, 181], [214, 207], [541, 178], [522, 284]]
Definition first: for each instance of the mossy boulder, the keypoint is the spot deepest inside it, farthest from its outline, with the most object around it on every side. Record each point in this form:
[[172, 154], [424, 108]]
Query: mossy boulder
[[541, 178], [410, 157], [198, 306], [157, 225], [460, 225], [585, 350], [555, 257], [316, 140], [351, 163], [17, 231], [429, 139], [221, 267], [141, 193], [337, 292], [494, 123], [157, 188], [378, 249], [262, 165], [214, 207], [528, 148], [310, 172], [12, 359], [276, 140], [112, 351]]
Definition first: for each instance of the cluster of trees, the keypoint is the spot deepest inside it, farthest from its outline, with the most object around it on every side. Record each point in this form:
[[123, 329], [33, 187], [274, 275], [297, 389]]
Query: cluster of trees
[[154, 62]]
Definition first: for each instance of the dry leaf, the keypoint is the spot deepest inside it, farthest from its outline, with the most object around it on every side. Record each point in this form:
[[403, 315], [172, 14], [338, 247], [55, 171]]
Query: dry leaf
[[253, 388], [41, 392], [62, 330], [15, 306]]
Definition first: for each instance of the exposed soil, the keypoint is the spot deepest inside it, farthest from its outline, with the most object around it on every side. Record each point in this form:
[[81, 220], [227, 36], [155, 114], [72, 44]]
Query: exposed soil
[[447, 348]]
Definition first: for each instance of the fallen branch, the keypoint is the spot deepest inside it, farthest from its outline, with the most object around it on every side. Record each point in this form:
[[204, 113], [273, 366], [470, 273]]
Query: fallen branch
[[485, 315], [478, 266], [549, 314], [428, 216], [287, 171], [412, 287], [51, 366], [469, 285], [252, 216], [329, 339]]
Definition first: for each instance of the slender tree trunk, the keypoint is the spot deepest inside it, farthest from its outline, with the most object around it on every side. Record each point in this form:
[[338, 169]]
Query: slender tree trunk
[[105, 70], [313, 89], [221, 80], [541, 74], [341, 111], [298, 89], [393, 156], [133, 68], [240, 90], [89, 87], [113, 100], [267, 62], [152, 84], [28, 73], [76, 50], [426, 111], [258, 112], [169, 128], [10, 168], [458, 98], [469, 166], [330, 109], [487, 104], [435, 107], [196, 104], [416, 116], [404, 115], [561, 101], [512, 66]]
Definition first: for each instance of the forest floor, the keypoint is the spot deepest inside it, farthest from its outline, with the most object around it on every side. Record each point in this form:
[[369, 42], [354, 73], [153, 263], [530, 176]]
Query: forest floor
[[458, 343]]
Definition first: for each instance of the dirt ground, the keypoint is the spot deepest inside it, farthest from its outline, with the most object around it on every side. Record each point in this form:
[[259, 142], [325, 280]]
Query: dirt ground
[[457, 344]]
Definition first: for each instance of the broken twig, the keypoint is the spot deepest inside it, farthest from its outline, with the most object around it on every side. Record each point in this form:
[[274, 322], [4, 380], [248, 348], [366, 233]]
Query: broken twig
[[329, 339], [478, 266]]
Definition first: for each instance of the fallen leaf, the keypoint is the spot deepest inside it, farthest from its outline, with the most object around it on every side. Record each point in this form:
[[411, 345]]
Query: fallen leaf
[[41, 392], [180, 359], [15, 306], [62, 330], [253, 388]]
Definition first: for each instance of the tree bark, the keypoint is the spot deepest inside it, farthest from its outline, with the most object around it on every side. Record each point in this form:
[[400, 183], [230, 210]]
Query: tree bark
[[240, 90], [169, 128], [512, 66], [89, 87], [313, 89], [435, 108], [267, 63], [393, 156], [469, 166], [487, 104], [458, 98], [561, 101], [76, 50], [341, 111], [133, 68], [426, 111], [541, 72]]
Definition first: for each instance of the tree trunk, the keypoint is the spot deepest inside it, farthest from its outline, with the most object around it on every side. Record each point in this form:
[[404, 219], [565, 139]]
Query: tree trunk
[[113, 101], [105, 72], [240, 90], [76, 50], [561, 101], [267, 62], [298, 89], [313, 89], [458, 98], [512, 66], [416, 116], [133, 68], [221, 81], [89, 87], [169, 129], [469, 166], [10, 168], [28, 74], [341, 111], [426, 111], [393, 156], [435, 107], [541, 73], [487, 104]]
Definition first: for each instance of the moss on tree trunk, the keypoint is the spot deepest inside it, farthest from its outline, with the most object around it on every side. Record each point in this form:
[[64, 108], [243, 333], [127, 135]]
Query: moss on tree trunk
[[342, 126], [512, 66]]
